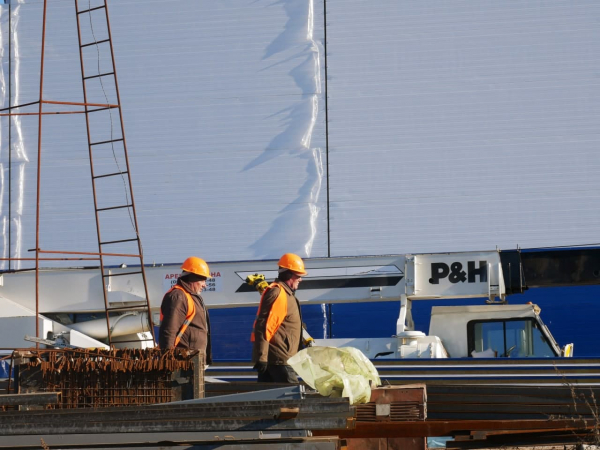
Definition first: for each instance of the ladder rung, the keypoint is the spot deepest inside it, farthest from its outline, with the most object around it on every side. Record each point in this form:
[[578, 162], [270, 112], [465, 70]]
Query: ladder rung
[[120, 274], [91, 9], [101, 109], [129, 308], [111, 174], [106, 142], [114, 207], [118, 242], [95, 43], [99, 75]]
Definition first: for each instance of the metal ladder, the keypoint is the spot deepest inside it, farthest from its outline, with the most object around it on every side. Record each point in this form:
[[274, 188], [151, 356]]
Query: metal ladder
[[112, 190]]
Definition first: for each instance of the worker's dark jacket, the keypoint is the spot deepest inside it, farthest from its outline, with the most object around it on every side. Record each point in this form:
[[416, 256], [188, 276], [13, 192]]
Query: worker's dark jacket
[[286, 341], [174, 310]]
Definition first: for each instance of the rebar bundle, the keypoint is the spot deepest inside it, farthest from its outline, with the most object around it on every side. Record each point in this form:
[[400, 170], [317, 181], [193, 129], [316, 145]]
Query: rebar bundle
[[101, 378]]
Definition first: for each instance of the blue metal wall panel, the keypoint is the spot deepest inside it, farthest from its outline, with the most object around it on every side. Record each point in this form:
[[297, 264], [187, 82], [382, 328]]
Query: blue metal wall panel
[[231, 330]]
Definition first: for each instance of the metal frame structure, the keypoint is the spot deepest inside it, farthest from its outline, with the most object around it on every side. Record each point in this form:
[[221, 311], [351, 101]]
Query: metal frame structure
[[88, 108]]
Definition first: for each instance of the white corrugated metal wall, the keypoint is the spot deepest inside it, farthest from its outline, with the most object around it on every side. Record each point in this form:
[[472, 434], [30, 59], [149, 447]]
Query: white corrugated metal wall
[[458, 126], [441, 126]]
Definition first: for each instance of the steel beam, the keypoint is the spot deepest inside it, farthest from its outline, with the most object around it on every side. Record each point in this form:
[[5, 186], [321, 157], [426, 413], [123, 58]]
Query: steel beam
[[41, 398], [289, 392], [157, 413], [176, 438]]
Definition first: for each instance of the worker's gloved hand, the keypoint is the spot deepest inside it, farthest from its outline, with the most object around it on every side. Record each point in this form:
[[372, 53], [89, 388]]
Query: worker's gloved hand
[[258, 281], [260, 366], [253, 280]]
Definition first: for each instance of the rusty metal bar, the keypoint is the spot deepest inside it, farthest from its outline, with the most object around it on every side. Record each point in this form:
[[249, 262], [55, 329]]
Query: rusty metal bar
[[100, 74], [99, 109], [39, 177], [88, 10], [29, 352], [110, 208], [48, 113], [111, 175], [95, 43], [104, 105], [118, 242], [51, 102], [106, 142]]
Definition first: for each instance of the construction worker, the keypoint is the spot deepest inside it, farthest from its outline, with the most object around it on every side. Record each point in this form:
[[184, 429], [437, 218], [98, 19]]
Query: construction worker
[[277, 333], [184, 319]]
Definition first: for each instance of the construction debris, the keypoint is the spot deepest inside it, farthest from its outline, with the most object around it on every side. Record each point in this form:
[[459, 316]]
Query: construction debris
[[147, 386]]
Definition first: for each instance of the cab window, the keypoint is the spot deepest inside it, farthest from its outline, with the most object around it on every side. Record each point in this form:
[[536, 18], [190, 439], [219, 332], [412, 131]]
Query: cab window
[[515, 338]]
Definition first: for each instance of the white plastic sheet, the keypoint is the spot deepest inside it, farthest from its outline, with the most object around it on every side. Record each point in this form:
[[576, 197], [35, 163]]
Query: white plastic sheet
[[337, 372]]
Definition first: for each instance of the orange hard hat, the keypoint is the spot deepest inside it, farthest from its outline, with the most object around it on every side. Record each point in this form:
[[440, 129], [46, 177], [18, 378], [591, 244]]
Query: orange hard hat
[[197, 266], [293, 263]]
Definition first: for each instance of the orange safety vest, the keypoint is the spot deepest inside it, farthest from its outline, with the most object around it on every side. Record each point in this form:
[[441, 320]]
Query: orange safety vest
[[191, 312], [276, 315]]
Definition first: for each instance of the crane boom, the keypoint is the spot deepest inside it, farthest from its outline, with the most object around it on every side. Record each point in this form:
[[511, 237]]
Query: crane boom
[[489, 274]]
